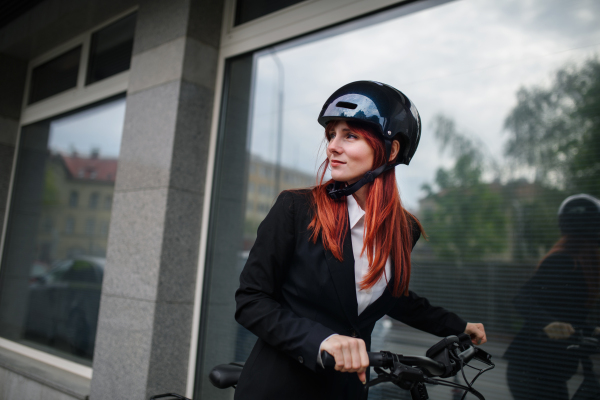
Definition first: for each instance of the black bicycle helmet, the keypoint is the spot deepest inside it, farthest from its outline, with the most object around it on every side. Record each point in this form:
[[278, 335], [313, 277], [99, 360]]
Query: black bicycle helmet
[[387, 110], [579, 215]]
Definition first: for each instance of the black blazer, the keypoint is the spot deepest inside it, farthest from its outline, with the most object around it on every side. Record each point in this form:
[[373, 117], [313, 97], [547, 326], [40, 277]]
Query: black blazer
[[293, 294]]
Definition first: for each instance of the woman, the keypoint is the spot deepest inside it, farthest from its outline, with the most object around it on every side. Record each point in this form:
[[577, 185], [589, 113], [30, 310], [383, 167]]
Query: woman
[[329, 262], [556, 302]]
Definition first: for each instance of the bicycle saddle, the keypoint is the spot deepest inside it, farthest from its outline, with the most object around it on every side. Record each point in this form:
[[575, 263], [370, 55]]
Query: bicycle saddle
[[226, 375]]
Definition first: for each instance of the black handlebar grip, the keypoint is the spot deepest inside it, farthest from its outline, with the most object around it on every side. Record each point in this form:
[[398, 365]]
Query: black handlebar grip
[[375, 360], [328, 360]]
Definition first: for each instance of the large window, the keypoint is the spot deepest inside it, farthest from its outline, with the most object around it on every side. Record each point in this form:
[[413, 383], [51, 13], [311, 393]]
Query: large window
[[508, 94], [54, 251]]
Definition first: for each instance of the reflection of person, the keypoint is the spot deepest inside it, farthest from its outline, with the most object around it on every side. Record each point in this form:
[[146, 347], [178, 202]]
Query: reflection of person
[[555, 303], [329, 262]]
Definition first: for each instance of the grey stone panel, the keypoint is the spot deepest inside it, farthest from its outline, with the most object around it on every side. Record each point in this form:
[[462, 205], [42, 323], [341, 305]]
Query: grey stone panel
[[123, 348], [135, 244], [12, 83], [179, 257], [192, 138], [158, 65], [160, 22], [170, 348], [205, 21], [148, 134], [200, 64]]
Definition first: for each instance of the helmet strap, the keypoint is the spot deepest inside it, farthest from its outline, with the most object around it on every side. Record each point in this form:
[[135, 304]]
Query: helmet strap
[[337, 190]]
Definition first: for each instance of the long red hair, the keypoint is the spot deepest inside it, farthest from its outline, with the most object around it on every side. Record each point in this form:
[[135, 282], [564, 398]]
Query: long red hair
[[388, 226]]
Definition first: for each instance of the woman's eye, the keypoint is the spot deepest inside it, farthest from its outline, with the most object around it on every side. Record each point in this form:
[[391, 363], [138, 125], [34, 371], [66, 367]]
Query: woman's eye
[[331, 136], [352, 136]]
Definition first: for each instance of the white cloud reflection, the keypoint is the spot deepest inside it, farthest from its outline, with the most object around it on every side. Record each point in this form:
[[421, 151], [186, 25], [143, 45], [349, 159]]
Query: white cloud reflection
[[98, 128], [466, 59]]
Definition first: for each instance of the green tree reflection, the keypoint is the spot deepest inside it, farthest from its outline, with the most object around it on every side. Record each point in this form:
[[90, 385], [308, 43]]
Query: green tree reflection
[[466, 216], [556, 130]]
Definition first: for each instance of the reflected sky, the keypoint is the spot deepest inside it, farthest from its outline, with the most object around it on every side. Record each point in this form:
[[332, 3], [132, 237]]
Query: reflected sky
[[465, 59], [98, 128]]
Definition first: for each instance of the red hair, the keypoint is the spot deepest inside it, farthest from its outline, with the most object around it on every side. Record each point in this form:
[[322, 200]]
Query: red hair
[[388, 226]]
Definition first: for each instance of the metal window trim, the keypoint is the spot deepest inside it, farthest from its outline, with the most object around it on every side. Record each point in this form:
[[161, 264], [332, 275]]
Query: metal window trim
[[47, 358], [291, 22]]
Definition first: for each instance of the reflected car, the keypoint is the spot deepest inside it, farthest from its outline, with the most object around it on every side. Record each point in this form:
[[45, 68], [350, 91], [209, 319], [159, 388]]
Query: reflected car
[[63, 305]]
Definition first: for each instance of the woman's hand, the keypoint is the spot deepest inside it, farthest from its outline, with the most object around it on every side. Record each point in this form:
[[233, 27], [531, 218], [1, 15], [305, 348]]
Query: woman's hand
[[559, 330], [350, 354], [477, 333]]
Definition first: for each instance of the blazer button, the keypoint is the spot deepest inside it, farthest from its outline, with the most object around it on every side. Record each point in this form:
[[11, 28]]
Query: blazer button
[[300, 359]]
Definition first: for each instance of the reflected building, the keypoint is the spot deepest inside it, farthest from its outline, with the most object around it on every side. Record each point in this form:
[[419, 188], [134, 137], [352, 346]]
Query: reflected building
[[263, 188], [76, 206]]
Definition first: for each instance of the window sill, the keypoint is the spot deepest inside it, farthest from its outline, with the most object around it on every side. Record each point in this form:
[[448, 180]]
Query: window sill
[[55, 378]]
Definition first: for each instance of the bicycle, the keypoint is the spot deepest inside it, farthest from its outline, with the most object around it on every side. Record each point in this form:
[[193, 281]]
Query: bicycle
[[443, 360], [582, 348]]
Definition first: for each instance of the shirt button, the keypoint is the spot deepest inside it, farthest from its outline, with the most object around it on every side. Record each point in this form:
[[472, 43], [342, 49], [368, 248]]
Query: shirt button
[[300, 359]]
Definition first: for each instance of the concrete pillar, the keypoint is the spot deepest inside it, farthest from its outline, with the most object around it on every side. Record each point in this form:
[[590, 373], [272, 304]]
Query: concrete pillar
[[143, 340]]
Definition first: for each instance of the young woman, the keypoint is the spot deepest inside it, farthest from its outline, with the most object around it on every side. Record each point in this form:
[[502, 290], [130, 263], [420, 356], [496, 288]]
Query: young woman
[[556, 302], [330, 261]]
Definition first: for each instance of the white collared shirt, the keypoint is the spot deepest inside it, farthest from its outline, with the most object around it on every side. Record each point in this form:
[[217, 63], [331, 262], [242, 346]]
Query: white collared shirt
[[356, 218], [364, 297]]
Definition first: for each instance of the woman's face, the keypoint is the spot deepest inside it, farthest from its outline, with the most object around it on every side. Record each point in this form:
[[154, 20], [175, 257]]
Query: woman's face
[[349, 154]]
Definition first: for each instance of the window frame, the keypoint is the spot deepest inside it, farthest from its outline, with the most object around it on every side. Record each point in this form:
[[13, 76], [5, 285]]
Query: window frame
[[81, 94], [61, 103]]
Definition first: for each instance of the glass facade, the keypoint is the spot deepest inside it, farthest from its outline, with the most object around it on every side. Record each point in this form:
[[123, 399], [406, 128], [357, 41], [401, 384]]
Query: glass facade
[[510, 130], [55, 248]]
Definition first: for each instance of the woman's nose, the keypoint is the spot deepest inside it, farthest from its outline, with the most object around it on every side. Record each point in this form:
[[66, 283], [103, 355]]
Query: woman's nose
[[333, 146]]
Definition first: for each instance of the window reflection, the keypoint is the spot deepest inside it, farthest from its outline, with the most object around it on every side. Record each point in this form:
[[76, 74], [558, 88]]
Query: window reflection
[[54, 254], [509, 98]]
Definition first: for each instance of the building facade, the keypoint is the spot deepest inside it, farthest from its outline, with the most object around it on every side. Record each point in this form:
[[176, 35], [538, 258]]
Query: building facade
[[142, 142]]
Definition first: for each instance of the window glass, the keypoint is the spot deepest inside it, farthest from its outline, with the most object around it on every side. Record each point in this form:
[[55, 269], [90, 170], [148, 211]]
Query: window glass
[[54, 253], [55, 76], [110, 51], [509, 96]]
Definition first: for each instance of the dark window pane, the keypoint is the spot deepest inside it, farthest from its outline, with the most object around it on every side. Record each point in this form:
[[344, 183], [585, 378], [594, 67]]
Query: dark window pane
[[55, 76], [247, 10], [110, 51]]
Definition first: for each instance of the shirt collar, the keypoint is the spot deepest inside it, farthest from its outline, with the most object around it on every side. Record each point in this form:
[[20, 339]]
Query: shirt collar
[[355, 213]]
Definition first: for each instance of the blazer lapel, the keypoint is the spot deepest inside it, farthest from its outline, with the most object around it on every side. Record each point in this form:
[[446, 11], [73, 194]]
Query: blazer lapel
[[342, 274]]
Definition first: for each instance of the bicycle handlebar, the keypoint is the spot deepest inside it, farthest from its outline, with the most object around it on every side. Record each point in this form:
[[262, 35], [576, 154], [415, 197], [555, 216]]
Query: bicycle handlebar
[[385, 359]]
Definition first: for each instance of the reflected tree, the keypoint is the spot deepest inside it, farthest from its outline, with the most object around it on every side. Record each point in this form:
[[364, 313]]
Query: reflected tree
[[556, 129], [466, 215]]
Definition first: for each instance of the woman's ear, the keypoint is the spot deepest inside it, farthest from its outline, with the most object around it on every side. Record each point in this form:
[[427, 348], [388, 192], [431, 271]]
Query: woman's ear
[[395, 150]]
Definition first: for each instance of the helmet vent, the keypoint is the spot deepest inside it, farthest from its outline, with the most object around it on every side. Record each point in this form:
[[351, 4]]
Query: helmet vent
[[345, 104]]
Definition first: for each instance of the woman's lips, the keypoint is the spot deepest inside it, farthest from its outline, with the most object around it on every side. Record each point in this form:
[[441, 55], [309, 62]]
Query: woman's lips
[[335, 163]]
